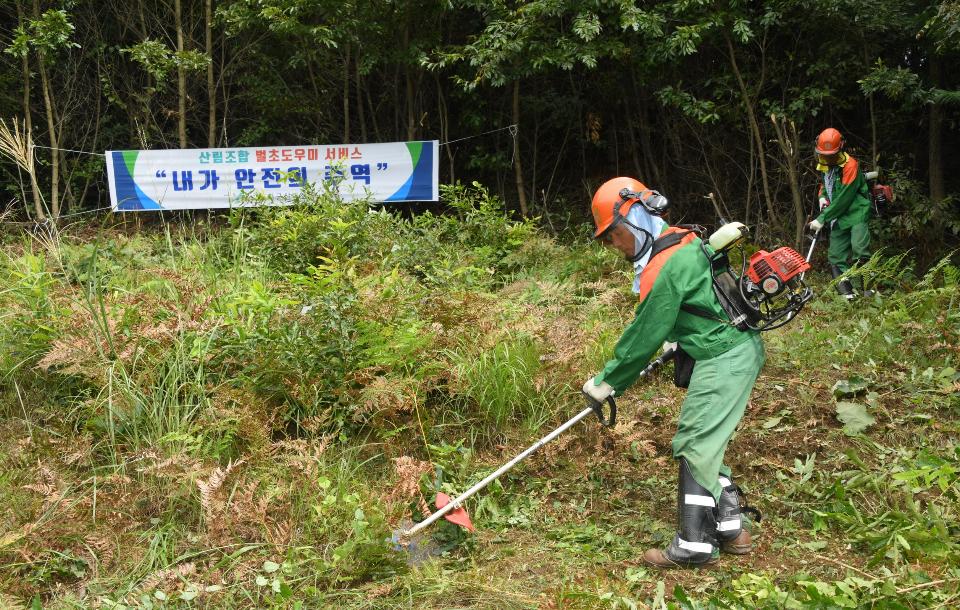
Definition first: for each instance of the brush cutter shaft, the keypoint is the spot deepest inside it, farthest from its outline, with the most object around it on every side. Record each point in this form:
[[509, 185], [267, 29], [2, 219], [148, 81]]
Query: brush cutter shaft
[[456, 502], [496, 474], [813, 244]]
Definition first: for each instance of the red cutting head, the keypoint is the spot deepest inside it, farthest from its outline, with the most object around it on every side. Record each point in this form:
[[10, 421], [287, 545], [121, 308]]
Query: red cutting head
[[458, 516]]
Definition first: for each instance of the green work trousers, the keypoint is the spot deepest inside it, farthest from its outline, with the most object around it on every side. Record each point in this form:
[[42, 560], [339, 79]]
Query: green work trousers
[[848, 243], [719, 390]]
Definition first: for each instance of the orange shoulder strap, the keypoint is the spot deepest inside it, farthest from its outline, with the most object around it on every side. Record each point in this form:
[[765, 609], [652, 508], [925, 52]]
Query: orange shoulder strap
[[649, 274]]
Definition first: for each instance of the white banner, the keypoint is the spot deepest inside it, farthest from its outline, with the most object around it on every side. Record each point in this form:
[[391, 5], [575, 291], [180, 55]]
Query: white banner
[[219, 177]]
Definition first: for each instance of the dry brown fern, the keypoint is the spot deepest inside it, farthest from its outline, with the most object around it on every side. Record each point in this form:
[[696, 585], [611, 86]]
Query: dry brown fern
[[48, 484], [208, 489], [101, 550], [164, 579], [409, 470]]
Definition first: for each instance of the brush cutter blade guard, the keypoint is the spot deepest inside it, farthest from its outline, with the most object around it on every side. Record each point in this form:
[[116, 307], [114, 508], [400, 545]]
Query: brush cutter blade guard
[[458, 515]]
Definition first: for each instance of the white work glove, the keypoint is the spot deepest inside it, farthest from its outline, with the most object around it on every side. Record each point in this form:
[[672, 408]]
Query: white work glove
[[598, 393], [667, 345], [823, 203], [815, 225]]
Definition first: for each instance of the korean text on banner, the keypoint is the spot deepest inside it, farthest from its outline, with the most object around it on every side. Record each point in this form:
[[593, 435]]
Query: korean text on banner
[[219, 177]]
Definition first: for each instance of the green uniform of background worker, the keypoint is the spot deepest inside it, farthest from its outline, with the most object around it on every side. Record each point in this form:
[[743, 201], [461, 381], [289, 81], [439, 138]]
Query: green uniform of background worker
[[727, 364], [844, 201]]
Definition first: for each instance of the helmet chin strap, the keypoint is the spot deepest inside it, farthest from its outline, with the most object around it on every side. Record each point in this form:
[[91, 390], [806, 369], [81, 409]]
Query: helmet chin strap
[[643, 243]]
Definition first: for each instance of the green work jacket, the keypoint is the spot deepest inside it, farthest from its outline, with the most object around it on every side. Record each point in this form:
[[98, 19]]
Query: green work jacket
[[848, 200], [676, 276]]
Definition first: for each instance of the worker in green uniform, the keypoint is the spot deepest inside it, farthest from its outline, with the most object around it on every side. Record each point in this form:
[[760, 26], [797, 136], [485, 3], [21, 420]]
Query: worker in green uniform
[[674, 272], [844, 201]]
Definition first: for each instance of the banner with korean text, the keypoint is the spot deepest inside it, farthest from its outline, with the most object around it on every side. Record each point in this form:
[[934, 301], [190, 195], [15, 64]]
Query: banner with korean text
[[227, 177]]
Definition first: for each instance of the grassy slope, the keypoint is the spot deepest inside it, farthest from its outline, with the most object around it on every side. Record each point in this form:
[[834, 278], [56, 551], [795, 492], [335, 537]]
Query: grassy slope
[[193, 418]]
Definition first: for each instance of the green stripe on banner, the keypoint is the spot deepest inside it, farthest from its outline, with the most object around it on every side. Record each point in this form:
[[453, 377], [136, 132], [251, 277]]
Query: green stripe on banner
[[415, 148], [130, 160]]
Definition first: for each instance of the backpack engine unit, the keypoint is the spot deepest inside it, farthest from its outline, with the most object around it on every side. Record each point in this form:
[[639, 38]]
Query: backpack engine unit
[[768, 292], [881, 195]]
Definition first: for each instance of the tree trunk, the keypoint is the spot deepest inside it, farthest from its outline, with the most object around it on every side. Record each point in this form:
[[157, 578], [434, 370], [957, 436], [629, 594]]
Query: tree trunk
[[751, 178], [937, 189], [396, 105], [789, 142], [224, 137], [211, 83], [346, 94], [408, 81], [411, 112], [54, 145], [373, 115], [52, 127], [754, 127], [96, 138], [648, 171], [874, 157], [181, 77], [517, 169], [359, 103], [444, 125], [646, 147], [28, 125]]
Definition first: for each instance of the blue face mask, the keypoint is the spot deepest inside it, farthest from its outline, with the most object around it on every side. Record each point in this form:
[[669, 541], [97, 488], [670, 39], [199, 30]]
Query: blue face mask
[[649, 225]]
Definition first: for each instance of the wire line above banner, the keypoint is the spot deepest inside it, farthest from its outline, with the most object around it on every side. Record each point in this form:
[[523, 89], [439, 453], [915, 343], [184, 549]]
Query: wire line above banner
[[80, 152], [511, 128]]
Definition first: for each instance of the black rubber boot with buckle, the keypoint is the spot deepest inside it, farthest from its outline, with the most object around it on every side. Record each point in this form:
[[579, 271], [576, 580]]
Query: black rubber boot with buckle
[[732, 534], [695, 543], [844, 287]]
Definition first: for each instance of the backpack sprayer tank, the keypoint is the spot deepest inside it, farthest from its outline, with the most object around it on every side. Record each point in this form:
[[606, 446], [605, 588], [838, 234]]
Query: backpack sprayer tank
[[769, 290]]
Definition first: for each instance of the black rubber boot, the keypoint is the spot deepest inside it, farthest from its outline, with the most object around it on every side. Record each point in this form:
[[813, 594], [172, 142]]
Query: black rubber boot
[[732, 535], [695, 543], [844, 287]]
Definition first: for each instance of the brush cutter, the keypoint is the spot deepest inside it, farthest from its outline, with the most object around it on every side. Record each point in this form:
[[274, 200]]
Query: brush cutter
[[453, 511], [813, 244]]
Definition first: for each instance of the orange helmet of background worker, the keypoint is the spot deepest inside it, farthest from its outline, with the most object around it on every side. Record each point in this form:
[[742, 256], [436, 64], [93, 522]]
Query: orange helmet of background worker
[[829, 142], [616, 196]]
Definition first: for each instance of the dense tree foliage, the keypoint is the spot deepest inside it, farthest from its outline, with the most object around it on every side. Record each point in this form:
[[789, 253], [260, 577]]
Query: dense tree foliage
[[690, 96]]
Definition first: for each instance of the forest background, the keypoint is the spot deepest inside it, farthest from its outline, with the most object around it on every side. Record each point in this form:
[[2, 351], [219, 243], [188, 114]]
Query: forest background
[[689, 96]]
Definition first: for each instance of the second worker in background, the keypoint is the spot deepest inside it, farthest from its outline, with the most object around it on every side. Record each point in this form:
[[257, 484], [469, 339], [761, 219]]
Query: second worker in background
[[844, 205]]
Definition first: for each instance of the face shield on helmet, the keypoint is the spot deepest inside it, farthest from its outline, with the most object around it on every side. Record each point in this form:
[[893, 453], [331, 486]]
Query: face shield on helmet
[[613, 206]]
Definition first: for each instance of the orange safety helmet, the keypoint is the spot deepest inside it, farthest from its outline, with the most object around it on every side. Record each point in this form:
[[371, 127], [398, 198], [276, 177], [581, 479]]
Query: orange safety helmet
[[829, 142], [615, 197]]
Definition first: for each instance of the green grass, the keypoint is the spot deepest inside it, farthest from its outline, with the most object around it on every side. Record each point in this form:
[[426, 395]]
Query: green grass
[[202, 417], [500, 385]]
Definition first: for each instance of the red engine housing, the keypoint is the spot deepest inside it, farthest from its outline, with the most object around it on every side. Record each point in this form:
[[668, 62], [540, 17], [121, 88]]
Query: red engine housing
[[785, 263], [883, 191]]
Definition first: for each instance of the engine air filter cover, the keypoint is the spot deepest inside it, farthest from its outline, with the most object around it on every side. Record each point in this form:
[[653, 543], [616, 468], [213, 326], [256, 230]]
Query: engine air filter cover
[[783, 263]]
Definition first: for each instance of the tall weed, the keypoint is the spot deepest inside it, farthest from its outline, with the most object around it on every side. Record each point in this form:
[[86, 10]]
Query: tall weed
[[499, 385]]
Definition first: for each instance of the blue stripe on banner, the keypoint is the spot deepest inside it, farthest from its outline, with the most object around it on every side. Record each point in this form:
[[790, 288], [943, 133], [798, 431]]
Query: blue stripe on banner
[[129, 195], [422, 187], [419, 186]]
